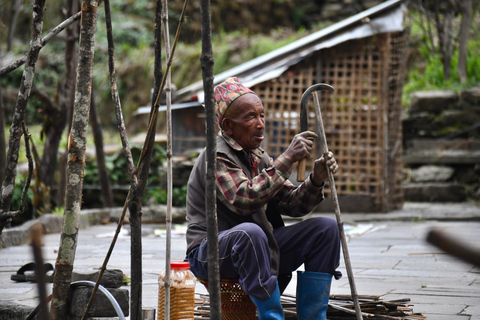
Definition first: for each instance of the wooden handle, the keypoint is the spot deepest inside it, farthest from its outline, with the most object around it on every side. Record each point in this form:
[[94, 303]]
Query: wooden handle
[[302, 165]]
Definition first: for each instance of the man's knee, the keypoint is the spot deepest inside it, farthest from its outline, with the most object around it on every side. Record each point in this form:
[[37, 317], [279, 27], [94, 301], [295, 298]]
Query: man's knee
[[325, 225], [252, 232]]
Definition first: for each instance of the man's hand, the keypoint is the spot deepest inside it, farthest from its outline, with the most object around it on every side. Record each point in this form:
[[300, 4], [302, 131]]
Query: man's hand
[[320, 174], [301, 146]]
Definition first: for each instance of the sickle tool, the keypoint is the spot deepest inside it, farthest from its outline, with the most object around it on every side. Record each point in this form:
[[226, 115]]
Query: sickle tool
[[324, 149], [304, 120]]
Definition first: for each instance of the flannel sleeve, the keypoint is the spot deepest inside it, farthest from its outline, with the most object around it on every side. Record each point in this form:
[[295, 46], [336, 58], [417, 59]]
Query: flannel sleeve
[[245, 196], [299, 201]]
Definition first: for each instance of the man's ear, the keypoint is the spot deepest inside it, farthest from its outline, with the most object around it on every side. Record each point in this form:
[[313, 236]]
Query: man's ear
[[227, 126]]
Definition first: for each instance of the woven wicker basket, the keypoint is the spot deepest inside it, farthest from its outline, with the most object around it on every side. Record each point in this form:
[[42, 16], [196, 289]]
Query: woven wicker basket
[[236, 304]]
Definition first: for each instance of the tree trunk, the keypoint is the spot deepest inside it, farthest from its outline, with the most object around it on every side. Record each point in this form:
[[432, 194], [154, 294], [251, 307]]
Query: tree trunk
[[15, 9], [100, 153], [16, 130], [2, 138], [443, 22], [67, 97], [466, 10], [57, 115], [76, 162], [135, 209], [210, 194]]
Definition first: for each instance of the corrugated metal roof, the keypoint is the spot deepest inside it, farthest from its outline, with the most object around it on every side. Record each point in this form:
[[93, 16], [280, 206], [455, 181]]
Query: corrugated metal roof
[[385, 17], [175, 106]]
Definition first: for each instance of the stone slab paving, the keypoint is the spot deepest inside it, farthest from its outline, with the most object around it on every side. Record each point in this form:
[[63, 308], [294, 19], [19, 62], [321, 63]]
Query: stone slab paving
[[392, 260]]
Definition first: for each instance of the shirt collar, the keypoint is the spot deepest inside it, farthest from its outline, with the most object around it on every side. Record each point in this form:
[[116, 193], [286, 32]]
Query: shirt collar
[[234, 145]]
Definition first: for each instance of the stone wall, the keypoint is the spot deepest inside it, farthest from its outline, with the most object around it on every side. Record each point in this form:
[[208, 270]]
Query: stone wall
[[441, 137]]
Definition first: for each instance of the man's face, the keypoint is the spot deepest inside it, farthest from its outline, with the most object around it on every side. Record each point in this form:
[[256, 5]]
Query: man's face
[[245, 121]]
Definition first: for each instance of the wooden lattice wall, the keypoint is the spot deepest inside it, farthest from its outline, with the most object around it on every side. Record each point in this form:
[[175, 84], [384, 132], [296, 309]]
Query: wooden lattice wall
[[361, 118]]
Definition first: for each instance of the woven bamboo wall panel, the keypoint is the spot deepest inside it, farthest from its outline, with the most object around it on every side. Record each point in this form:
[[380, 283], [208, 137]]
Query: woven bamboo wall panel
[[356, 119]]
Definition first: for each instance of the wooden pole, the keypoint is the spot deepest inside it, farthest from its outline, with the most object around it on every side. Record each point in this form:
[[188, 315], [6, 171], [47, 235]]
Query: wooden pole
[[210, 194], [343, 239], [36, 233], [168, 218]]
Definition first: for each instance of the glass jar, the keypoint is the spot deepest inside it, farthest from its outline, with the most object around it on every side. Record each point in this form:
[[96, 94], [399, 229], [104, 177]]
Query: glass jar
[[182, 292]]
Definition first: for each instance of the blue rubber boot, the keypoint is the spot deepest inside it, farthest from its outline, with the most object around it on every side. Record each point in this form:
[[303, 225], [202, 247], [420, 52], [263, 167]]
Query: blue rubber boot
[[270, 309], [313, 291]]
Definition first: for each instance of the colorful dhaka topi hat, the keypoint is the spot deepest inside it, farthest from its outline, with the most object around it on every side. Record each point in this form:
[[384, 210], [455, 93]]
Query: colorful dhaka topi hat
[[225, 93]]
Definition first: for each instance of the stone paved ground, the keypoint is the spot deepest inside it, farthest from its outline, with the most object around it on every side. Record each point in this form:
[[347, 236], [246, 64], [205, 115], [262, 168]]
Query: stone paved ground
[[390, 259]]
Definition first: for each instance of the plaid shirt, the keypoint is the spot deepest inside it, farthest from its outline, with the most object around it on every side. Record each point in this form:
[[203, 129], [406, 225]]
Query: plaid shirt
[[245, 195]]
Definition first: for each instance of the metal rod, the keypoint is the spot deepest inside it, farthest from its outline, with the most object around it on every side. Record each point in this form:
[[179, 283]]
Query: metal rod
[[324, 150]]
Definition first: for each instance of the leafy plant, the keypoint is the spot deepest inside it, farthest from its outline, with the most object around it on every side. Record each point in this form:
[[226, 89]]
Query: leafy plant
[[58, 211], [159, 196], [425, 70]]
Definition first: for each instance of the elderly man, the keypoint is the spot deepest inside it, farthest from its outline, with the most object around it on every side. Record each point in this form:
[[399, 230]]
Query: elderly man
[[253, 191]]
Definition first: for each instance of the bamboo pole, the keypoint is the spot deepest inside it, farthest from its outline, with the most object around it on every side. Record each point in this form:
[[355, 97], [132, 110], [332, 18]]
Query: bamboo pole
[[324, 150], [210, 195], [168, 218]]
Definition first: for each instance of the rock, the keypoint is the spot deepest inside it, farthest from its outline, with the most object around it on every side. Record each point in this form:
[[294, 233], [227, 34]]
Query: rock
[[51, 223], [452, 121], [454, 157], [101, 306], [433, 101], [418, 124], [432, 173], [112, 278], [470, 97], [467, 175], [14, 311], [434, 192]]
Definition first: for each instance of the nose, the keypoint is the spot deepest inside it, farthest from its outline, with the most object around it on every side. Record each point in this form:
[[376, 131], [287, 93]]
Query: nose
[[260, 122]]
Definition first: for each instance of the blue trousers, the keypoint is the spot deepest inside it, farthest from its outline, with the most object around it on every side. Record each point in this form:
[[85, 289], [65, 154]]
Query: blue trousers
[[244, 253]]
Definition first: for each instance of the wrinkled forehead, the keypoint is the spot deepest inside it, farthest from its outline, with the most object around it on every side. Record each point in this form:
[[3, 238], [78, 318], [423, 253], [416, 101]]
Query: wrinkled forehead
[[244, 104]]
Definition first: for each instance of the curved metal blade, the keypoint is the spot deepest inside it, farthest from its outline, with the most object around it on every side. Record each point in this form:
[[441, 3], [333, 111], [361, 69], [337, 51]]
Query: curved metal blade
[[304, 102]]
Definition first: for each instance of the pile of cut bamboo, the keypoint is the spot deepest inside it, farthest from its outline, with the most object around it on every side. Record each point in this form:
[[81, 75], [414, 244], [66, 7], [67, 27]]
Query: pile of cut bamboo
[[340, 307]]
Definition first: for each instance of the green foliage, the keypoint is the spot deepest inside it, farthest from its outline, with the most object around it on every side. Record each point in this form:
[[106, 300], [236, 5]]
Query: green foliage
[[159, 195], [431, 77], [17, 193], [117, 167], [58, 211], [425, 72]]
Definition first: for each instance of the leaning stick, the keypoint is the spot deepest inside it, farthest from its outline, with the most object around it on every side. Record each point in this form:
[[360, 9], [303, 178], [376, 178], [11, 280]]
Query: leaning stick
[[324, 149]]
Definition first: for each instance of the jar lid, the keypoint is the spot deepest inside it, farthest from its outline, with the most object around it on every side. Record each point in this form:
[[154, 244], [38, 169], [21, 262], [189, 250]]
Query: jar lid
[[180, 265]]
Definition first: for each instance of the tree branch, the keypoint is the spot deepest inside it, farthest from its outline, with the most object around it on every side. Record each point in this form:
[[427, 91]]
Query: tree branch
[[6, 217], [20, 61], [115, 97], [21, 106]]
